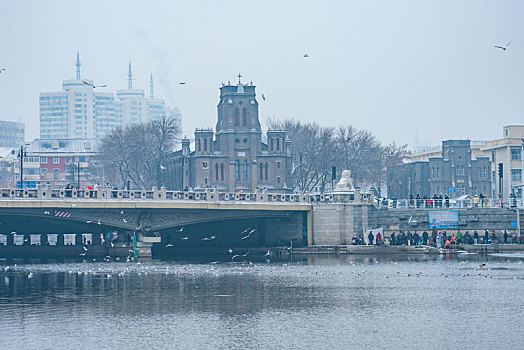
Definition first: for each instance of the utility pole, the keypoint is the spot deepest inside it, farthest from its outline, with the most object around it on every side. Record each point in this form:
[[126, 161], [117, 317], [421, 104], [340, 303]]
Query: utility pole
[[21, 155]]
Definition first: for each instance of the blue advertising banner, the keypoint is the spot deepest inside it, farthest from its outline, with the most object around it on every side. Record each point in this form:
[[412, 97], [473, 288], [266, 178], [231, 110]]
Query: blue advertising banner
[[444, 219]]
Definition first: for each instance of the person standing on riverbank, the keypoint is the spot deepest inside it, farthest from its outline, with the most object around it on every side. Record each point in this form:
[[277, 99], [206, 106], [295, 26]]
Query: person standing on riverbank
[[371, 237], [439, 240], [476, 237]]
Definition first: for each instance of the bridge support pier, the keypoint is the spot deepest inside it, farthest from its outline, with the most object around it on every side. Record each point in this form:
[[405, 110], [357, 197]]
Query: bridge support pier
[[44, 239], [27, 239], [10, 240], [95, 238], [60, 239], [78, 239]]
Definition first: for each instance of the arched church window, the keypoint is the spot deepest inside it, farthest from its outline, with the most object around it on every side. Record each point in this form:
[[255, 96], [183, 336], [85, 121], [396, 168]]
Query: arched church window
[[244, 117], [205, 145], [266, 171], [245, 169], [216, 172], [222, 172], [271, 143], [237, 116], [237, 170], [261, 171], [278, 144], [199, 145]]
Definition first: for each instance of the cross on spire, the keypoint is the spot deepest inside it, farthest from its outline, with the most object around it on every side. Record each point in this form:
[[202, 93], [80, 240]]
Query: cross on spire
[[239, 76]]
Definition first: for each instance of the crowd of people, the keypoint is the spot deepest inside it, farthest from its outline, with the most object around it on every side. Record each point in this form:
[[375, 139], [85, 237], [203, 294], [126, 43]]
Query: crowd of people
[[440, 239]]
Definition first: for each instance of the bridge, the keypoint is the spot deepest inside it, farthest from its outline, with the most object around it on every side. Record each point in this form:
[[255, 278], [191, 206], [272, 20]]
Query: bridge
[[179, 220]]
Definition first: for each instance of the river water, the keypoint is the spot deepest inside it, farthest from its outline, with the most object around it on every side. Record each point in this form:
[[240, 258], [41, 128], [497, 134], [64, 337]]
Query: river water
[[322, 302]]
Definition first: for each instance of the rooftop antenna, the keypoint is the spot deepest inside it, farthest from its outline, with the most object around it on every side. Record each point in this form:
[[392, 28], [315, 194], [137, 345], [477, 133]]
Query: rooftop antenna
[[151, 87], [78, 64], [129, 78]]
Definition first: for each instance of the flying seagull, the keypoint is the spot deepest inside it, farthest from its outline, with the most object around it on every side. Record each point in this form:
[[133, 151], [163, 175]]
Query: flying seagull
[[2, 70], [185, 238], [124, 219], [93, 85], [306, 55], [169, 245], [237, 255], [162, 167], [182, 228], [268, 253], [502, 47], [46, 213], [182, 83], [263, 97]]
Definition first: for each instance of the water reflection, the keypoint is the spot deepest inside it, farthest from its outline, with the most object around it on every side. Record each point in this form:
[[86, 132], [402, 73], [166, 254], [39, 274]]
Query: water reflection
[[310, 301]]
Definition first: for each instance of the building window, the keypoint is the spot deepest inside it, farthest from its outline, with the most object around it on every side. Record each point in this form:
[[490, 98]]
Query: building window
[[43, 160], [271, 144], [516, 174], [432, 172], [438, 189], [245, 169], [43, 170], [205, 181], [266, 171], [222, 172], [244, 117], [480, 173], [462, 191], [261, 171], [278, 144], [278, 165], [205, 145], [56, 173], [56, 160], [216, 172], [515, 153], [237, 170], [237, 113], [438, 172], [484, 173], [278, 179], [199, 145], [68, 160]]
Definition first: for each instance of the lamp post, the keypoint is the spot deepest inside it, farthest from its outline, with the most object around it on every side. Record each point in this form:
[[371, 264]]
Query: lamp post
[[21, 154]]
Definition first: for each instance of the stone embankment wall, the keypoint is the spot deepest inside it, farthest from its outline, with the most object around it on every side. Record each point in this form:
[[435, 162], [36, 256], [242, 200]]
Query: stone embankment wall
[[336, 224]]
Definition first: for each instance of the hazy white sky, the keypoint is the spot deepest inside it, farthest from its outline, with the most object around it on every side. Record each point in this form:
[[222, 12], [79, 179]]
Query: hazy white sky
[[395, 68]]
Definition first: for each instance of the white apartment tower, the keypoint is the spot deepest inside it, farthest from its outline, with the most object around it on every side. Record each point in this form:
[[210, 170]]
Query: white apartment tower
[[80, 112]]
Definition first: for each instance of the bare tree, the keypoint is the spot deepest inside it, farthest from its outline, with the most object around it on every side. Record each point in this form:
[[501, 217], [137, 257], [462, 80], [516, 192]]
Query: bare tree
[[138, 154]]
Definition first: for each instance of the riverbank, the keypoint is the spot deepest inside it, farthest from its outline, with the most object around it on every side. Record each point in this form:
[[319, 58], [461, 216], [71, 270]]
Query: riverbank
[[401, 249]]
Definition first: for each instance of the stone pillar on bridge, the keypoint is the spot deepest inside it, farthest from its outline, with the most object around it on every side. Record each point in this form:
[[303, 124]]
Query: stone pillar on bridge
[[78, 239], [27, 239], [10, 239], [60, 239], [163, 192], [95, 238], [44, 239]]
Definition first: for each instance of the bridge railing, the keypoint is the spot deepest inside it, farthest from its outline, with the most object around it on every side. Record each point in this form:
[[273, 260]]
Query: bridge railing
[[209, 195], [422, 203]]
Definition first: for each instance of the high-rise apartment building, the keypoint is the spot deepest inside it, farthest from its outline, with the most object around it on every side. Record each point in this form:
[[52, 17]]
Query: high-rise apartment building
[[11, 134], [80, 112]]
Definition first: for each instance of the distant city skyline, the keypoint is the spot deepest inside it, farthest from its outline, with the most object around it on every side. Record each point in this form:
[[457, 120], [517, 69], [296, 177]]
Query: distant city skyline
[[401, 70]]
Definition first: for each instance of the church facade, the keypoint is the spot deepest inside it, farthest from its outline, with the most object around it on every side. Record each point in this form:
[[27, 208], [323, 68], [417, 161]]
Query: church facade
[[234, 158]]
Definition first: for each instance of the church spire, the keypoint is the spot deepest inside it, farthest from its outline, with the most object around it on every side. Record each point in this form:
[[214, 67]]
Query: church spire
[[151, 87], [129, 77], [78, 64]]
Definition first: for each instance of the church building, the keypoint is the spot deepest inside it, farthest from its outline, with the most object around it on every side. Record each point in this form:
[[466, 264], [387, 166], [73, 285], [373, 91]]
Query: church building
[[234, 158]]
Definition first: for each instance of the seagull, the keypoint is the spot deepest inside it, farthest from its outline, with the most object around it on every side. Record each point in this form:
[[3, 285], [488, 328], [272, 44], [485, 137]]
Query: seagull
[[46, 213], [30, 275], [263, 97], [206, 239], [182, 83], [247, 229], [185, 238], [230, 251], [502, 47], [214, 262], [212, 237], [169, 245], [83, 254], [482, 266], [92, 85], [124, 219], [85, 249], [156, 234], [162, 167], [268, 253], [2, 70], [13, 233], [88, 221], [99, 222], [306, 55], [112, 245], [180, 229], [237, 255], [121, 212], [249, 234]]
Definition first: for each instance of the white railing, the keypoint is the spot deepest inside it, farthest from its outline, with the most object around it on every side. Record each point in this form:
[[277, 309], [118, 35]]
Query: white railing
[[449, 203], [209, 195]]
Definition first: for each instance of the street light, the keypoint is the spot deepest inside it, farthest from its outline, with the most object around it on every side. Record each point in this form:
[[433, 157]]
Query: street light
[[21, 154]]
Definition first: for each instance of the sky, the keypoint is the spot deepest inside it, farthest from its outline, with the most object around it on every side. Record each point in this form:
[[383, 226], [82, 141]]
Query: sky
[[414, 72]]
